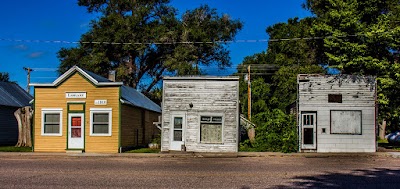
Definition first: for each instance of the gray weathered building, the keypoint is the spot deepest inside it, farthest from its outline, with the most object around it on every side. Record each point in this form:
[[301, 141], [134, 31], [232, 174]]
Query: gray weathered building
[[336, 113], [12, 97], [200, 114]]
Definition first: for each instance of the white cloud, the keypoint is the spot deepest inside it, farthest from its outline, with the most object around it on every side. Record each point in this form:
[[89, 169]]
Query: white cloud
[[21, 47], [35, 54]]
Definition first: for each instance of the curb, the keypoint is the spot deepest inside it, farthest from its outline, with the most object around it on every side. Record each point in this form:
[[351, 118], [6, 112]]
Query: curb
[[203, 155]]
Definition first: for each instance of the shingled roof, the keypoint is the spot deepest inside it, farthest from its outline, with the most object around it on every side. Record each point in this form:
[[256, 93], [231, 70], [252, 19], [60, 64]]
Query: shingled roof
[[13, 95]]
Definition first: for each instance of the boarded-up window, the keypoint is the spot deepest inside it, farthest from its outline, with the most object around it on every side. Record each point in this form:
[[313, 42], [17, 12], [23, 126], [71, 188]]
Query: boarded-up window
[[346, 122], [335, 98], [211, 129]]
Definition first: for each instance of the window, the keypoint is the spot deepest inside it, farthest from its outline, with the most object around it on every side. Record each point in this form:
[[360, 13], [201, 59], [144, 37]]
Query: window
[[335, 98], [346, 122], [308, 119], [178, 128], [100, 121], [211, 129], [52, 122]]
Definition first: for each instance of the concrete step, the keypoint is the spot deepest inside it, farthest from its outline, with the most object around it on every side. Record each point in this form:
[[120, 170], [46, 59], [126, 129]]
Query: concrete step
[[74, 151]]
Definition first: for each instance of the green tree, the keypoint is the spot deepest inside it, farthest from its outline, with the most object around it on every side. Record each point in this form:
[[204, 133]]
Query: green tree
[[363, 39], [146, 25], [274, 83], [276, 132], [274, 73]]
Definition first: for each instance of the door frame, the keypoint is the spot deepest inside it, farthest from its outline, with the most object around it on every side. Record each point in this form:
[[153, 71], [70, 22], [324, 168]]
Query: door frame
[[82, 146], [173, 145], [314, 126]]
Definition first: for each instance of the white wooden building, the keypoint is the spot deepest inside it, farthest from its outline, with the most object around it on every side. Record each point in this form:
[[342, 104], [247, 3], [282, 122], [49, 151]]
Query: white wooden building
[[200, 114], [336, 113]]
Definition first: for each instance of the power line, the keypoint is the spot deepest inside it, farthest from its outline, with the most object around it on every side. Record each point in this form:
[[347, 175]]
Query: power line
[[187, 42], [257, 66], [45, 69]]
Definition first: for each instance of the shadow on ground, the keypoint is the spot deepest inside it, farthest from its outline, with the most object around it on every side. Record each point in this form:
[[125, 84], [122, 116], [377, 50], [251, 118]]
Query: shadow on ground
[[373, 178]]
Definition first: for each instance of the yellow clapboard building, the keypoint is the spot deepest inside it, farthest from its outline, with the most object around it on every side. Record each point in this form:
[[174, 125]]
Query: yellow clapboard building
[[82, 111]]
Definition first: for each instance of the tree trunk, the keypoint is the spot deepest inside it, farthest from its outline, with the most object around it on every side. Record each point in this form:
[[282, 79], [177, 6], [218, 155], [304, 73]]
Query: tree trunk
[[28, 134], [382, 129], [17, 115], [24, 116]]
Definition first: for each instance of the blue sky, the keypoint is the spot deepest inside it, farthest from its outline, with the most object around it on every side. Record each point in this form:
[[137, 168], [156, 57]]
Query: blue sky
[[66, 21]]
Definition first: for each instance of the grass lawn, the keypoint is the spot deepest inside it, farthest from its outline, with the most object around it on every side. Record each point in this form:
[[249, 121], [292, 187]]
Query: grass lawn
[[144, 150], [15, 149]]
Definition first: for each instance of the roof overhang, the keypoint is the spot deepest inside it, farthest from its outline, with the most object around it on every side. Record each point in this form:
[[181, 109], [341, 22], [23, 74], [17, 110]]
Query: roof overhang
[[71, 71], [230, 78]]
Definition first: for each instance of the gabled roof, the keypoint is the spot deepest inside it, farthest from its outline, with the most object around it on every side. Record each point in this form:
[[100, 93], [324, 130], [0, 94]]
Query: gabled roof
[[12, 94], [92, 77], [128, 95], [132, 97]]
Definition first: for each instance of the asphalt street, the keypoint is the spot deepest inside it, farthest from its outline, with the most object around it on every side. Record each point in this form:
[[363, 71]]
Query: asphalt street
[[155, 172]]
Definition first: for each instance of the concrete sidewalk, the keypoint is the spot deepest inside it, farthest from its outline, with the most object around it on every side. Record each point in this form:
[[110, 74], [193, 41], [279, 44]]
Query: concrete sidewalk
[[205, 155]]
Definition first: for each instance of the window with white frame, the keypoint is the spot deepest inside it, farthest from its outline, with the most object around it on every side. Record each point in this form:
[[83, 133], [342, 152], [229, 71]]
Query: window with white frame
[[100, 121], [52, 122], [211, 129]]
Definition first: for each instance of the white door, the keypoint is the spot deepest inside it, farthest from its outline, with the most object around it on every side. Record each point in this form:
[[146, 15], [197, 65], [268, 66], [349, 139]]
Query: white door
[[177, 138], [309, 131], [75, 131]]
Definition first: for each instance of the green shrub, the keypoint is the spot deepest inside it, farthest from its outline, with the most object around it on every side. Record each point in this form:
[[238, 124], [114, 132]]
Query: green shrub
[[157, 140], [275, 132], [144, 150], [246, 146]]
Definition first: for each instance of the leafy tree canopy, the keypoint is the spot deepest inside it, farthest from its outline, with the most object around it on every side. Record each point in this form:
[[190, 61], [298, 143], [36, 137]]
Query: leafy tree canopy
[[364, 40], [4, 76], [353, 36], [145, 24]]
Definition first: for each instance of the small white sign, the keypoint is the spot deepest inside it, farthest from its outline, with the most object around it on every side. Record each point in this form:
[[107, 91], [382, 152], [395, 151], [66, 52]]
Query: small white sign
[[100, 102], [75, 95]]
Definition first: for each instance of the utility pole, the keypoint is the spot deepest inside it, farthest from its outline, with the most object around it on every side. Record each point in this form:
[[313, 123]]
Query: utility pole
[[248, 94], [28, 77]]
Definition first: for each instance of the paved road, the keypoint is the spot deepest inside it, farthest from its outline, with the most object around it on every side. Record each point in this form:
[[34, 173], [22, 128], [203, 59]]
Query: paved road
[[251, 172]]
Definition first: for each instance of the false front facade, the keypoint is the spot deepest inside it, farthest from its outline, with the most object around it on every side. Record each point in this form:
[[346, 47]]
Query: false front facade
[[336, 113], [86, 112], [200, 114]]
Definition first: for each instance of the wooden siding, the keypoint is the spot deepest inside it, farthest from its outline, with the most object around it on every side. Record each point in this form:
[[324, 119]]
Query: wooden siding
[[8, 126], [356, 95], [209, 97], [151, 130], [131, 126], [76, 107], [137, 128], [50, 97]]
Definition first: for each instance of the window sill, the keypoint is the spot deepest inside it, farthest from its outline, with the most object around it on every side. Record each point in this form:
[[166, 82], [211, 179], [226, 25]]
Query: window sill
[[51, 134], [100, 135], [212, 143]]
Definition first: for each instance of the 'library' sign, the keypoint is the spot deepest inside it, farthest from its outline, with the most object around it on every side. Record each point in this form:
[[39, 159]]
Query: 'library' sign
[[75, 95]]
